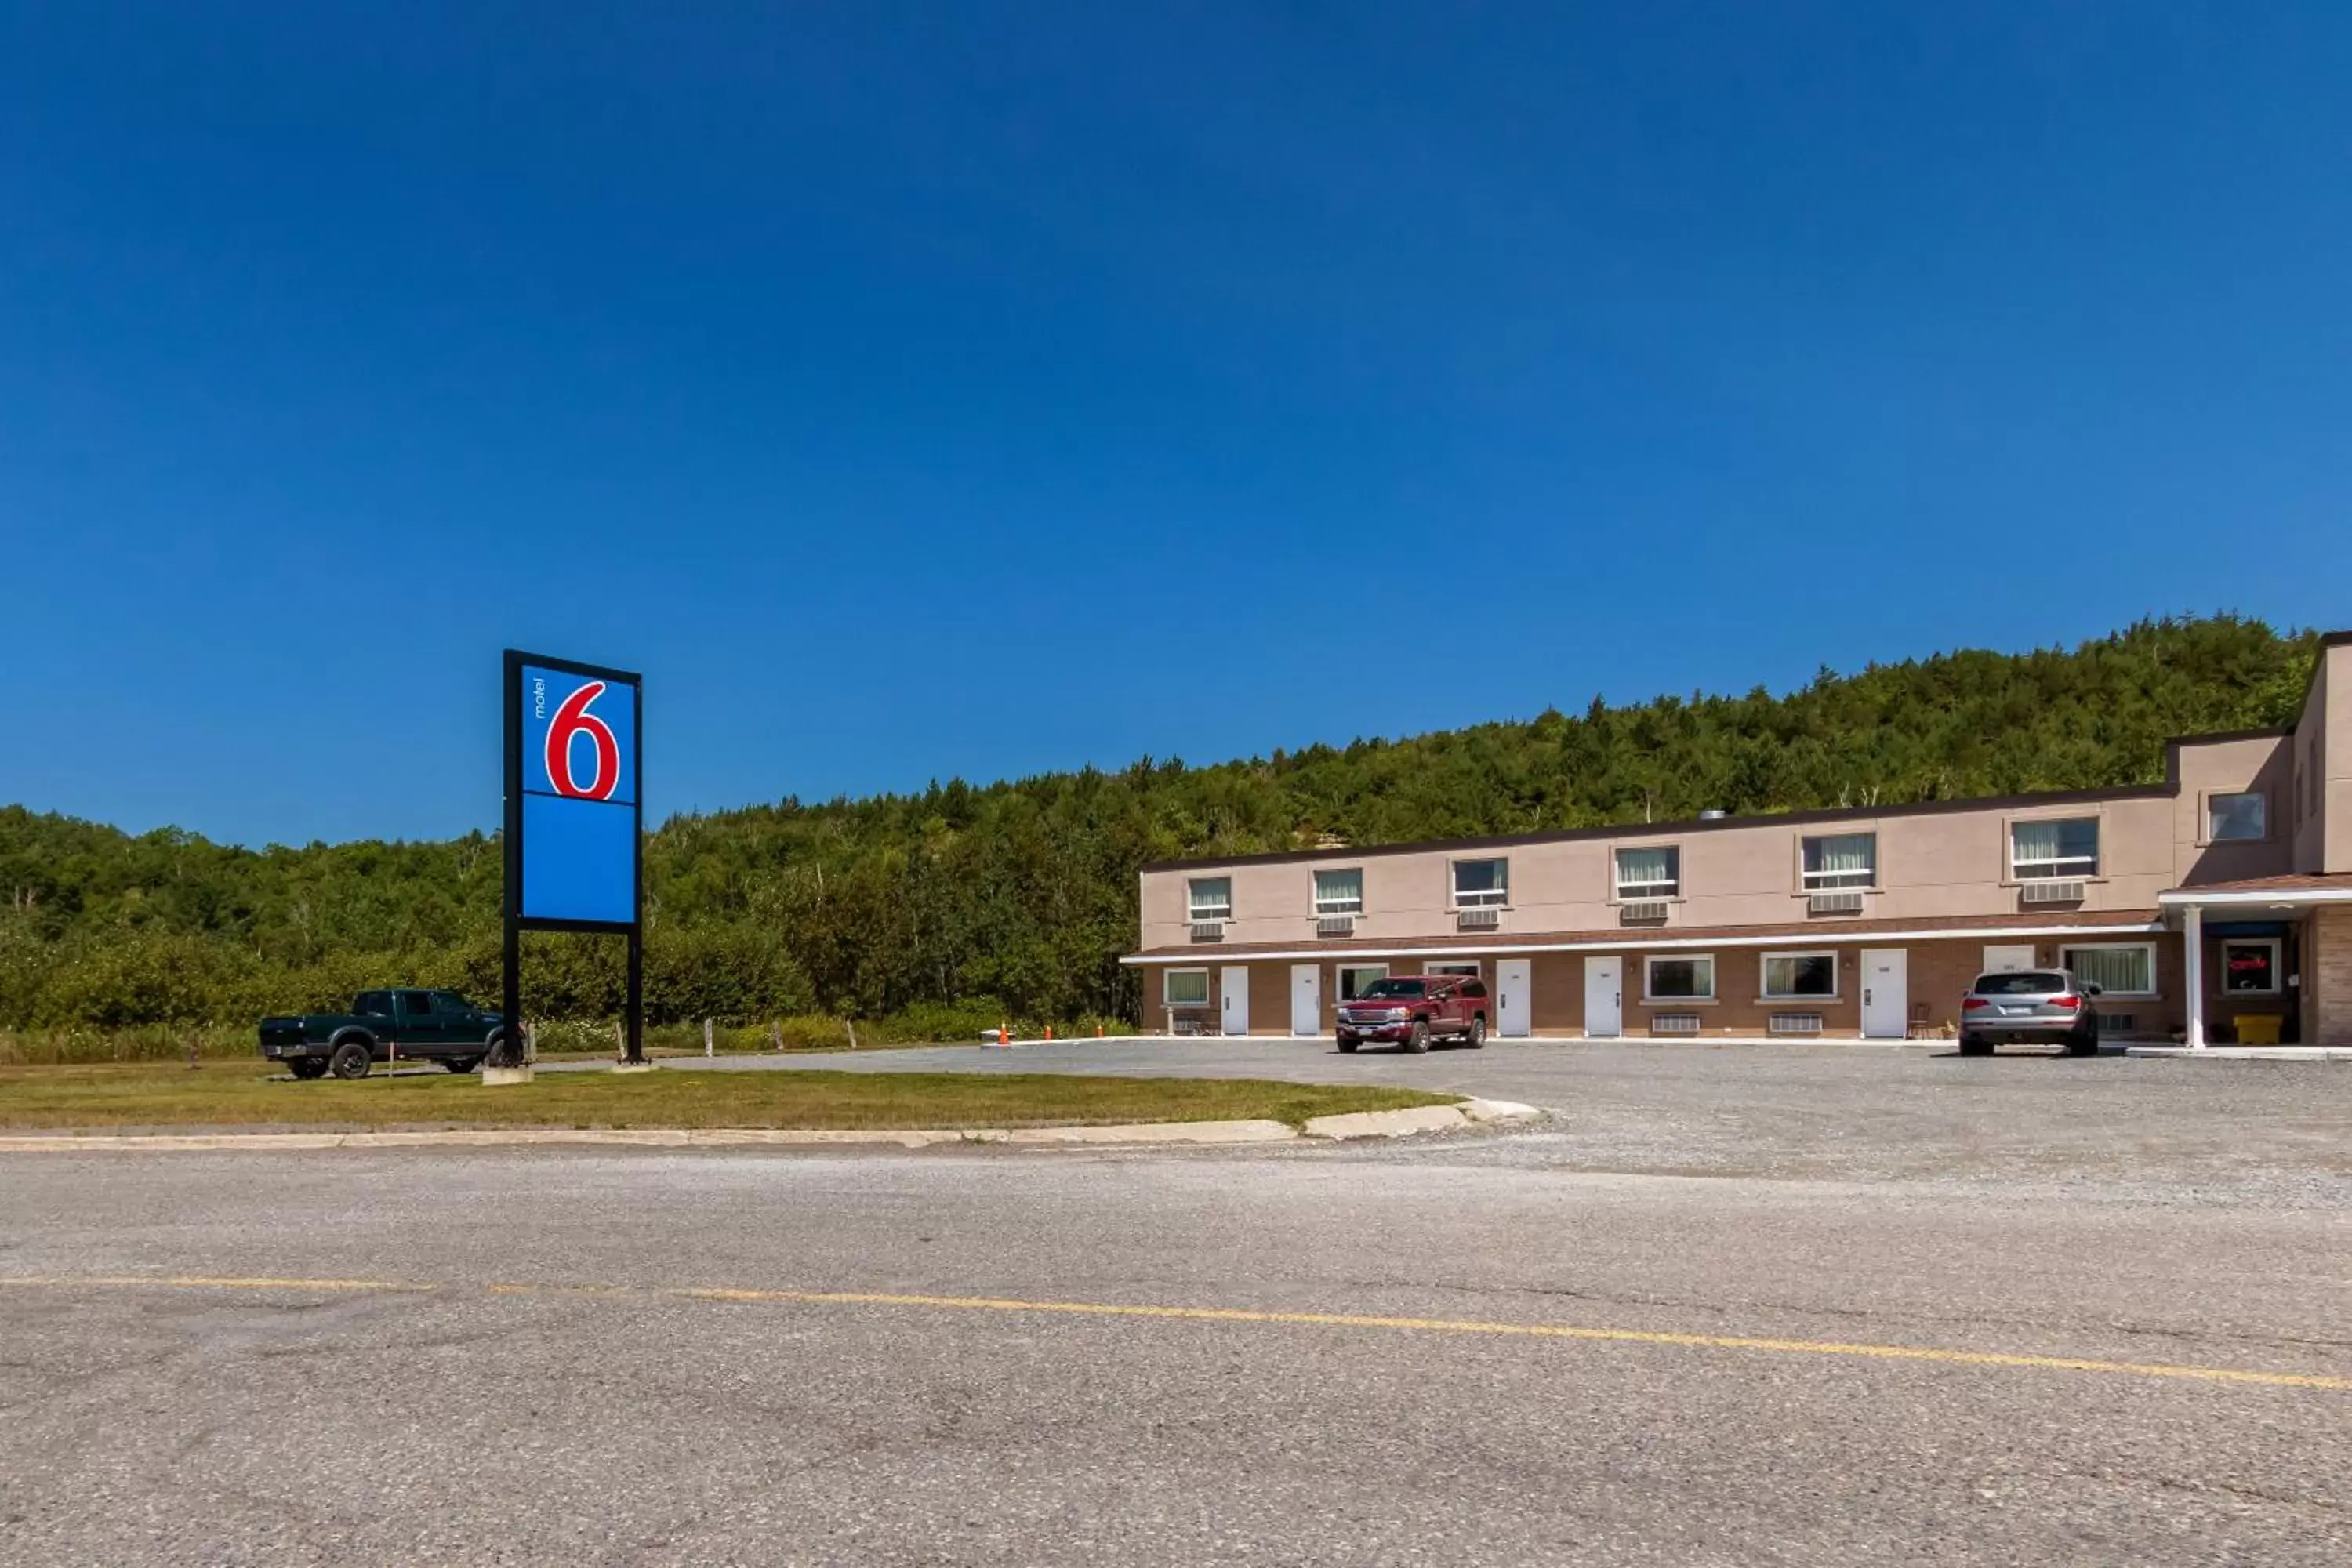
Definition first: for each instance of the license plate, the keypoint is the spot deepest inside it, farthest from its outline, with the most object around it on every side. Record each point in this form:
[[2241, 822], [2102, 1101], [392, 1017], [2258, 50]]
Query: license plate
[[2016, 1012]]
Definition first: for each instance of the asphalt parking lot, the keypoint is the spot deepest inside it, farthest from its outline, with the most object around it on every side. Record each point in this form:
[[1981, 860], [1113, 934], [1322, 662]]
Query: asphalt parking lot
[[1793, 1305]]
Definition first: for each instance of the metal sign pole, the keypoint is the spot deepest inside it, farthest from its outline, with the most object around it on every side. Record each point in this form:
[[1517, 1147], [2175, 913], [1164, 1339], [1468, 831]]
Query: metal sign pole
[[510, 998]]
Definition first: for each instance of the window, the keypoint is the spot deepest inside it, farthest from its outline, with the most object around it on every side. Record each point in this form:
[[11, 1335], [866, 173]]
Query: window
[[418, 1004], [1650, 873], [1409, 986], [1790, 975], [2041, 850], [1841, 860], [2123, 969], [1339, 892], [1212, 898], [1356, 978], [1679, 979], [2250, 968], [374, 1004], [1187, 988], [1449, 969], [1477, 883], [1476, 989], [450, 1002], [2229, 816]]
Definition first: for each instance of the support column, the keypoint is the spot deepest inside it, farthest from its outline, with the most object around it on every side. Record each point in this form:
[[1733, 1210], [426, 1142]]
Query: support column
[[2327, 974], [2192, 937]]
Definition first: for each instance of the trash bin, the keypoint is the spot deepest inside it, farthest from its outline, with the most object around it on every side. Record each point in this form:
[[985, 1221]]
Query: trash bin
[[2259, 1028]]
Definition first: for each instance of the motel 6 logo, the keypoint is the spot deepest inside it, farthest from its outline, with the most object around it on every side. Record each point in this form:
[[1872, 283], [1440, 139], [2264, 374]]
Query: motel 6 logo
[[574, 722]]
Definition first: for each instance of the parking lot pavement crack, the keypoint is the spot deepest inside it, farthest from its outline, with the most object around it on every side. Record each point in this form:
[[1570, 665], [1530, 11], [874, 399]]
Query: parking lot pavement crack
[[2329, 1509]]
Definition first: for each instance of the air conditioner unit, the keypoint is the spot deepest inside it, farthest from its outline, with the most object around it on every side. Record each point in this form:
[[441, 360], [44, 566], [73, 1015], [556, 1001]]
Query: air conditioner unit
[[1335, 925], [1208, 931], [1673, 1023], [2051, 893], [1641, 911], [1479, 920], [1848, 904], [1796, 1023]]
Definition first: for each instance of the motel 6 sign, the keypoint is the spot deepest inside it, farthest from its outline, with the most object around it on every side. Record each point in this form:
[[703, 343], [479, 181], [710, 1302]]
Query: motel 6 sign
[[573, 805]]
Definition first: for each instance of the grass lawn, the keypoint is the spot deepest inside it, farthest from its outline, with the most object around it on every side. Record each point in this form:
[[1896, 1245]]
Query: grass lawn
[[258, 1095]]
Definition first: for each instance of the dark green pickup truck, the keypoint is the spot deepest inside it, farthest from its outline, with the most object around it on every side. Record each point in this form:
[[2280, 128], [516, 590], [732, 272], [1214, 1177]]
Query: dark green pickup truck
[[430, 1026]]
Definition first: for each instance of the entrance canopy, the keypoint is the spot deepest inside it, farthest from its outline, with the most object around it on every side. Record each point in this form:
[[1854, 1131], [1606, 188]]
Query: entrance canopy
[[2251, 909]]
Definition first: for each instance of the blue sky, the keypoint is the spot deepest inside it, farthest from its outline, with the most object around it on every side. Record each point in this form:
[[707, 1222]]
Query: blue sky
[[913, 394]]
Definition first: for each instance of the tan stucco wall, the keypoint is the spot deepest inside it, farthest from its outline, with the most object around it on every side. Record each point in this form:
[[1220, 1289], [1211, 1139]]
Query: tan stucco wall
[[1941, 864]]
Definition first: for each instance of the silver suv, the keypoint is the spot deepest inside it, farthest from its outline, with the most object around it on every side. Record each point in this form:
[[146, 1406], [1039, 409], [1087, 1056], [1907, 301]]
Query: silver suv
[[2048, 1006]]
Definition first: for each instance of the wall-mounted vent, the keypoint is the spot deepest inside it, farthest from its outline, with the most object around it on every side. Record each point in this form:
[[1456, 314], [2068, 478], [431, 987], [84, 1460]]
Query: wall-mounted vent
[[1641, 912], [1796, 1023], [1335, 925], [1849, 903], [2053, 892], [1479, 920], [1673, 1023], [2118, 1024], [1208, 931]]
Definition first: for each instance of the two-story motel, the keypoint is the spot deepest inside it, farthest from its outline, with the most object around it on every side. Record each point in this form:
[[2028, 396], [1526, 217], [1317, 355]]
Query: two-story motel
[[2216, 906]]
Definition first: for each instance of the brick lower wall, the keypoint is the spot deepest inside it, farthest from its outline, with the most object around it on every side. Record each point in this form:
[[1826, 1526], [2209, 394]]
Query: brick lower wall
[[2328, 976]]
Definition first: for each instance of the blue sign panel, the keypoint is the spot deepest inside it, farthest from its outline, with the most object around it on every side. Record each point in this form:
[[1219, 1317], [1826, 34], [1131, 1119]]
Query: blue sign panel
[[578, 817]]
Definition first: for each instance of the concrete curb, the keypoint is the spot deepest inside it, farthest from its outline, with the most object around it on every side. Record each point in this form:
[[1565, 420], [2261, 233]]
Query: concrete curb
[[2244, 1053], [1363, 1124]]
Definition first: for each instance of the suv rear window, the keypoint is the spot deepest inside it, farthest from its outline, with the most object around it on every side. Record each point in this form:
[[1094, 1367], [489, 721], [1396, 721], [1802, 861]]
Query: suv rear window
[[1395, 988], [2028, 983]]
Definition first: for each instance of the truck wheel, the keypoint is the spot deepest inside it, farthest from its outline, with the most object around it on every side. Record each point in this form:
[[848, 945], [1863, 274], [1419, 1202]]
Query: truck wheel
[[498, 1057], [461, 1064], [308, 1067], [1348, 1043], [1477, 1034], [351, 1059], [1418, 1041]]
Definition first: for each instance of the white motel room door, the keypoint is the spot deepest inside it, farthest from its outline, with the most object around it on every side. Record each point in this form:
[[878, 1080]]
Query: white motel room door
[[1886, 994], [1604, 998], [1306, 998], [1236, 989], [1512, 1013]]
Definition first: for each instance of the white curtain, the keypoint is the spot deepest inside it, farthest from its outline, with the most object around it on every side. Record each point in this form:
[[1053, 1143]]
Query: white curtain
[[2035, 841], [1338, 892], [1212, 899], [1188, 988], [1646, 871], [1846, 860], [2129, 971]]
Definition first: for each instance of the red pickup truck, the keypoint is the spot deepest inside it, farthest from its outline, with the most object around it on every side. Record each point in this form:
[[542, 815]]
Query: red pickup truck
[[1414, 1009]]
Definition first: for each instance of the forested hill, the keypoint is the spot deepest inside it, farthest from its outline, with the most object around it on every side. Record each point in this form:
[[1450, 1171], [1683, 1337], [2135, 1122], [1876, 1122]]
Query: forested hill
[[1024, 893]]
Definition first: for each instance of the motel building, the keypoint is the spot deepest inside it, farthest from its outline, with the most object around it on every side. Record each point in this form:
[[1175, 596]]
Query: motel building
[[2212, 909]]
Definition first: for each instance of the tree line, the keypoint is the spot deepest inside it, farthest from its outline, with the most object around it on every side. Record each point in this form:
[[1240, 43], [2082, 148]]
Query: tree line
[[1021, 896]]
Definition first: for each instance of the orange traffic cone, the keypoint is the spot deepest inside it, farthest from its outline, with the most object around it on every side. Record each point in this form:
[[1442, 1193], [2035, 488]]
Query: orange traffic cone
[[1049, 1031]]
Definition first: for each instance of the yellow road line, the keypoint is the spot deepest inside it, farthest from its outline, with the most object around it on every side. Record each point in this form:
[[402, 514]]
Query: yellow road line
[[1538, 1330], [1235, 1315]]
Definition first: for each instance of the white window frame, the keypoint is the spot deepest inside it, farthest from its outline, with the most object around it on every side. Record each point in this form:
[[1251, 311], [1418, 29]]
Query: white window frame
[[2018, 873], [1166, 986], [2278, 961], [1650, 960], [2066, 962], [2262, 799], [1481, 898], [1826, 881], [1341, 971], [1764, 991], [1193, 900], [1622, 893], [1451, 966], [1324, 906]]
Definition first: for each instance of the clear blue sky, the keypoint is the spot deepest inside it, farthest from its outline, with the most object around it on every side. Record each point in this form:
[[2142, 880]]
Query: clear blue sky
[[913, 394]]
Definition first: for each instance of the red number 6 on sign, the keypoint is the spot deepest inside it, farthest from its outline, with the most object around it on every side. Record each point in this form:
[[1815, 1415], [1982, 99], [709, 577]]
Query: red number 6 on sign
[[574, 719]]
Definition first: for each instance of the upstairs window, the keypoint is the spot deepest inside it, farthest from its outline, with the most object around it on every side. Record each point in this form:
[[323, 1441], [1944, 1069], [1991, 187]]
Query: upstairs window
[[1478, 883], [2040, 851], [1841, 860], [1654, 873], [1339, 892], [2229, 816], [1210, 897]]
